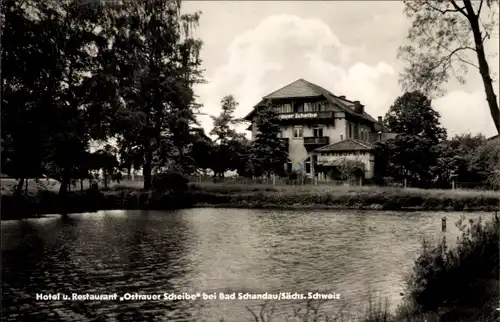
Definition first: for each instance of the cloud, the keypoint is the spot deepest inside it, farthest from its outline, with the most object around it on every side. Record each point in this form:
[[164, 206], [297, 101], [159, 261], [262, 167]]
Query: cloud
[[283, 48], [463, 112]]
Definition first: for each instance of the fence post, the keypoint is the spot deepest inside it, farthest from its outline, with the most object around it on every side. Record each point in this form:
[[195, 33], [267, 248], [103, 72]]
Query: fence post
[[405, 182], [452, 184], [274, 179]]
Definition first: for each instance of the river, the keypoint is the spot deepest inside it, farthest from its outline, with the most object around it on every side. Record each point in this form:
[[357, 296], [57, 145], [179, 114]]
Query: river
[[203, 250]]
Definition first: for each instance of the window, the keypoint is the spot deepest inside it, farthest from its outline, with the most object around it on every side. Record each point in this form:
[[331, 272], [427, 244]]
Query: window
[[299, 108], [311, 107], [317, 131], [350, 130], [287, 108], [297, 131]]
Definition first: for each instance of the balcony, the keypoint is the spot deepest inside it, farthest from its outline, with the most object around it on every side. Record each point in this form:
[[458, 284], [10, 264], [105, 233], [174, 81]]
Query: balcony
[[321, 115], [316, 142]]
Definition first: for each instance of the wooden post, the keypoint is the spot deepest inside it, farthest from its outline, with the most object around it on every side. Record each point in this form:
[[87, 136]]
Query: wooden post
[[274, 179], [405, 182], [452, 184], [313, 173]]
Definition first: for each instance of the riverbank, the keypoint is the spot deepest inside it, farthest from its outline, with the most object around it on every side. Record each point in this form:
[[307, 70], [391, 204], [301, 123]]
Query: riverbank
[[250, 196]]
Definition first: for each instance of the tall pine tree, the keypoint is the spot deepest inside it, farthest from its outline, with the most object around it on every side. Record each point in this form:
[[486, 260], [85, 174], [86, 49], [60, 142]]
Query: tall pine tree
[[269, 150]]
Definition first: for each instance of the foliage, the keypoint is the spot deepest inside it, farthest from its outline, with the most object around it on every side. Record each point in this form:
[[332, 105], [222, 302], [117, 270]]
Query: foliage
[[411, 154], [470, 158], [487, 157], [350, 169], [446, 279], [38, 74], [152, 57], [447, 38], [200, 150], [170, 181], [269, 152], [229, 146], [223, 123], [106, 161]]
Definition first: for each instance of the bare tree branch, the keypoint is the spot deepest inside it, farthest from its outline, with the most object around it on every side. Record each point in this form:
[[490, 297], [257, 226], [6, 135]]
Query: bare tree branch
[[428, 3], [455, 51], [479, 10], [461, 10]]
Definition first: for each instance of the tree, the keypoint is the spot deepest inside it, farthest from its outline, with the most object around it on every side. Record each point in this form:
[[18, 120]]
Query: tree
[[269, 151], [153, 58], [224, 155], [443, 36], [486, 163], [105, 160], [201, 149], [447, 164], [413, 115], [223, 123], [411, 153], [350, 169], [48, 58]]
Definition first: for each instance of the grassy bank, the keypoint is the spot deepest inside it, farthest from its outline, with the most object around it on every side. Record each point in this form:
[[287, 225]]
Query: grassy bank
[[130, 196], [341, 197]]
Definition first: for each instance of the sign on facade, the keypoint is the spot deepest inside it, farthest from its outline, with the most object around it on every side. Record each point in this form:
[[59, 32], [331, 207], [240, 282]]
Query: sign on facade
[[298, 116]]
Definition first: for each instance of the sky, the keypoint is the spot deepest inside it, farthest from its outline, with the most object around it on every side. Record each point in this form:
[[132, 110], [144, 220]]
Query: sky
[[252, 48]]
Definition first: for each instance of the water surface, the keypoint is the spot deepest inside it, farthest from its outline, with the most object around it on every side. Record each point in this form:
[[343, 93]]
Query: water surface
[[207, 250]]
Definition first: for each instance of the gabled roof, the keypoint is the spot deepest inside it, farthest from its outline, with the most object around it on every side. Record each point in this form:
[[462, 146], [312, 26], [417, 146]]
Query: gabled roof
[[494, 137], [303, 88], [299, 88], [346, 145]]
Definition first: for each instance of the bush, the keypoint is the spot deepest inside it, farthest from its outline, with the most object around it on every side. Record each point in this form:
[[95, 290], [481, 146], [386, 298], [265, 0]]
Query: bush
[[465, 278], [170, 181]]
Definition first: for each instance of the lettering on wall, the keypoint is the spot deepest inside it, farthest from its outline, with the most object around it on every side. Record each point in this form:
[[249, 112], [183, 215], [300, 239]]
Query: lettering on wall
[[298, 116]]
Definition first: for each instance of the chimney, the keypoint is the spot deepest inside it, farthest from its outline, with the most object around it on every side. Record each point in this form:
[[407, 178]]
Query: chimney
[[342, 97], [358, 107], [380, 119]]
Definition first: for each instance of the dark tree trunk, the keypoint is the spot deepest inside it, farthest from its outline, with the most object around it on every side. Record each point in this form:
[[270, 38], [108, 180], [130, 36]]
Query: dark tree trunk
[[484, 68], [105, 175], [146, 170], [19, 186], [63, 190]]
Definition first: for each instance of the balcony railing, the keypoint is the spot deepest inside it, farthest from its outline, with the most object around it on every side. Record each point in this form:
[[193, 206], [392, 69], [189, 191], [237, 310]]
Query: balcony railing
[[306, 115], [316, 141]]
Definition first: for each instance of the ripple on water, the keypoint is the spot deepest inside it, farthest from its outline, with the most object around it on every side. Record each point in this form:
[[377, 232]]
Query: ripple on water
[[205, 250]]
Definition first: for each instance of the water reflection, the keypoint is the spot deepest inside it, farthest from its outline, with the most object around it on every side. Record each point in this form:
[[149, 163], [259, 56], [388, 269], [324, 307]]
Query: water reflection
[[204, 250]]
